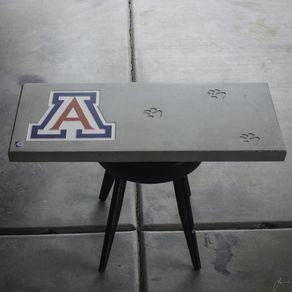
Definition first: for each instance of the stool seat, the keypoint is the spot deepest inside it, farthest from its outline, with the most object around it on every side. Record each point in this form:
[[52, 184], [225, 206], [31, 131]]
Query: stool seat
[[150, 172]]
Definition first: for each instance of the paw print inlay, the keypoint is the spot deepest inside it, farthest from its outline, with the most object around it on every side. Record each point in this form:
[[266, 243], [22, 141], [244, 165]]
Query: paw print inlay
[[217, 93], [250, 138], [153, 112]]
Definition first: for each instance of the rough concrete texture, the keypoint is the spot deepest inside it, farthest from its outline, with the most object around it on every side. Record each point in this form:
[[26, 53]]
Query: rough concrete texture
[[231, 261], [57, 41], [57, 195], [206, 41], [67, 263], [204, 128], [230, 41]]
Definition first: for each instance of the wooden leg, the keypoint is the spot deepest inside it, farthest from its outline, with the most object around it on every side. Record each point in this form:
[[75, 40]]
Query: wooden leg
[[112, 222], [106, 186], [182, 190]]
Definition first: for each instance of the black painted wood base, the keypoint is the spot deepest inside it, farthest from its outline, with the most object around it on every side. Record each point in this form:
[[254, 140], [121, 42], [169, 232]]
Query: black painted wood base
[[119, 173]]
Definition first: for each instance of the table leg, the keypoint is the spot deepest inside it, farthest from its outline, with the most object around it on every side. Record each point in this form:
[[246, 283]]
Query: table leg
[[106, 186], [113, 218], [187, 186], [181, 187]]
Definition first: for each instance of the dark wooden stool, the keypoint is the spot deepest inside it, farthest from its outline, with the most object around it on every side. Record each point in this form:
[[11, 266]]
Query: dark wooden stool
[[149, 173]]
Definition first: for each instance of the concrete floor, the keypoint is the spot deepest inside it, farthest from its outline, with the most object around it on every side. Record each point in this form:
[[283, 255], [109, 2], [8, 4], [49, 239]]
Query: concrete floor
[[238, 260], [67, 263], [145, 41]]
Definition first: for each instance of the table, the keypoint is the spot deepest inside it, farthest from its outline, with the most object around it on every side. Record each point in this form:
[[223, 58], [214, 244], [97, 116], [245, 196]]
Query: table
[[146, 133]]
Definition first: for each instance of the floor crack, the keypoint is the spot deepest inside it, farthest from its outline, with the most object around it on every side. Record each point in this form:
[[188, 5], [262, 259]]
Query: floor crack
[[131, 42]]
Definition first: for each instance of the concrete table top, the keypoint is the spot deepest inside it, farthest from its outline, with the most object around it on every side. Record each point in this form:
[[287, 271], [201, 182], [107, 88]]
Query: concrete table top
[[146, 122]]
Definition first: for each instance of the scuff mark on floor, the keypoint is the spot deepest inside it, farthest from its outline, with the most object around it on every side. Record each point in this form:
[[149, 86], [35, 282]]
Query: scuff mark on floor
[[262, 30], [223, 251]]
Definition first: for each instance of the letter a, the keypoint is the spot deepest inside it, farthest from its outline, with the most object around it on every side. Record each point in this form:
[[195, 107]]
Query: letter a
[[64, 117]]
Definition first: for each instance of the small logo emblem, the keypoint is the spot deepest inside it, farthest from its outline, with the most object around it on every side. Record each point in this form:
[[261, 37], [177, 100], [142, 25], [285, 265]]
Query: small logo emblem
[[18, 144], [153, 112], [72, 116]]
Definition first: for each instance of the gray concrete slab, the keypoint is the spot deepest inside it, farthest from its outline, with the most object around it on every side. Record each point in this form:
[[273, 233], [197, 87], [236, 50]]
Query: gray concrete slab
[[206, 41], [57, 196], [230, 41], [67, 263], [56, 41], [195, 122], [231, 261]]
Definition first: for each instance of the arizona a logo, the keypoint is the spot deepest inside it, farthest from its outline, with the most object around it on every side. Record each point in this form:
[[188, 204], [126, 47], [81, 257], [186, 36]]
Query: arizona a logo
[[72, 116]]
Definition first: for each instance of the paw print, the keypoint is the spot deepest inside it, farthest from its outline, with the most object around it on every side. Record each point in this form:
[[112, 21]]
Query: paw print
[[153, 113], [217, 93], [250, 138]]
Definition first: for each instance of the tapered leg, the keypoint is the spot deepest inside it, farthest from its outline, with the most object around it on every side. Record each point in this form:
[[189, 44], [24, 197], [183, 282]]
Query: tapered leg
[[112, 222], [187, 186], [182, 190], [106, 186]]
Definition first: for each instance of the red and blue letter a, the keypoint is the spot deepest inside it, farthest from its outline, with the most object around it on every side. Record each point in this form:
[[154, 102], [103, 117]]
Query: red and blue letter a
[[72, 116]]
